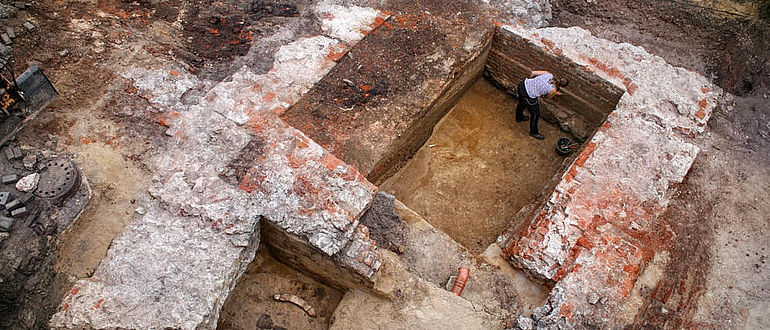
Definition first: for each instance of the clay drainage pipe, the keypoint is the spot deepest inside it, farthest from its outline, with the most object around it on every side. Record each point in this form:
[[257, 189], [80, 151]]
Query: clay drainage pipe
[[462, 277]]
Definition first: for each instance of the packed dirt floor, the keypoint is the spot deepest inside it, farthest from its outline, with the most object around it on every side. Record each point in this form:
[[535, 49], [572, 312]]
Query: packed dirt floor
[[716, 271], [478, 168], [717, 268], [252, 303]]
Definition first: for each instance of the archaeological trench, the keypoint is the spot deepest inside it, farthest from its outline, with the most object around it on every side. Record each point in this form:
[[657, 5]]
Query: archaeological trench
[[337, 164]]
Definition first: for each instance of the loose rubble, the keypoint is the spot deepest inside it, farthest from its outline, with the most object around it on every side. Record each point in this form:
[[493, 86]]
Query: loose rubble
[[28, 183]]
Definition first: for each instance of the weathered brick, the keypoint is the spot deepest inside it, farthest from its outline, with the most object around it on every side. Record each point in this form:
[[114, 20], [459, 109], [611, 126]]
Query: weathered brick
[[230, 166], [602, 219]]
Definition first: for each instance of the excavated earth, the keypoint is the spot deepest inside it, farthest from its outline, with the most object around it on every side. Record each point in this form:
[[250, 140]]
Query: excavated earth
[[478, 167], [123, 68]]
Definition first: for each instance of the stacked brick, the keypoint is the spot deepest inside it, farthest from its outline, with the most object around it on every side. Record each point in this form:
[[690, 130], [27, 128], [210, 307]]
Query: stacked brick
[[230, 166], [599, 227], [361, 253], [588, 99]]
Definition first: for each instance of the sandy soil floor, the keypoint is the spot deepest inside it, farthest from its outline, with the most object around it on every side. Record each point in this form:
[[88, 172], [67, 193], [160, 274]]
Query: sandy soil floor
[[251, 304], [478, 168]]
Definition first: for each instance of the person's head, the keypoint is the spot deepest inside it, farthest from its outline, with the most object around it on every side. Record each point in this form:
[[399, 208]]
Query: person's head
[[559, 83]]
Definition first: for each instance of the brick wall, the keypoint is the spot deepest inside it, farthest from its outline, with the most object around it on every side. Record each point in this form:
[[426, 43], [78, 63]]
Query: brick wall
[[354, 267], [586, 101], [598, 228]]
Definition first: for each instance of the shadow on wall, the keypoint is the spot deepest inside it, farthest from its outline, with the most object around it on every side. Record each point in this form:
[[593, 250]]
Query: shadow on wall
[[763, 9]]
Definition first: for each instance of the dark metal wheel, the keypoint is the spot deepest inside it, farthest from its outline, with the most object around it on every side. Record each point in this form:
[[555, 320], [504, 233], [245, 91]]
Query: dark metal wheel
[[58, 178]]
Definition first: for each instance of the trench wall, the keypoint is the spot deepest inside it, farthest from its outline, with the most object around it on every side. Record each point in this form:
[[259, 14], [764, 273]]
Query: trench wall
[[586, 101], [414, 138], [597, 229], [400, 83], [340, 270]]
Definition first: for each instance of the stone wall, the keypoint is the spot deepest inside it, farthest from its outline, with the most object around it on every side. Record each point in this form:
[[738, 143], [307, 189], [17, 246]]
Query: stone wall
[[597, 230], [586, 101], [294, 251], [228, 165]]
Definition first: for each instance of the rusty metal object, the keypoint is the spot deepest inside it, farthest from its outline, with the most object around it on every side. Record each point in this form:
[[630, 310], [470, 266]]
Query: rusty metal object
[[58, 178], [297, 301], [22, 99], [460, 280]]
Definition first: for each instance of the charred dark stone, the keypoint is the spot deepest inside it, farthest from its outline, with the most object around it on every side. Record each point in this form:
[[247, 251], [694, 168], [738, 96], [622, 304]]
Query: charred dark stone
[[385, 226], [261, 9], [265, 322], [238, 167]]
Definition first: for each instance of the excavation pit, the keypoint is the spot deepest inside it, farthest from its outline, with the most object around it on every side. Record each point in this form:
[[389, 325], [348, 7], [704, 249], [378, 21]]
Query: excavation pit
[[446, 143], [300, 197], [434, 125], [478, 168], [252, 303]]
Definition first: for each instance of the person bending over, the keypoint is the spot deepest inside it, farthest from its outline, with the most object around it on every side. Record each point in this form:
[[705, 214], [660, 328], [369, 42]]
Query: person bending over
[[539, 83]]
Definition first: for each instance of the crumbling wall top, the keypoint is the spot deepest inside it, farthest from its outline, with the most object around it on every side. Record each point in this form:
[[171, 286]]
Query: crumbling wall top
[[598, 229]]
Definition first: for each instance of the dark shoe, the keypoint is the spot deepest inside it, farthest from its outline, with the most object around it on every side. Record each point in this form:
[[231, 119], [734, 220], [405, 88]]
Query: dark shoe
[[525, 118], [537, 136]]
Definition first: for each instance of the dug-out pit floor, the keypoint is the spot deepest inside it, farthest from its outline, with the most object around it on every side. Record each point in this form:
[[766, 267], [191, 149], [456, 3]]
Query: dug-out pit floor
[[478, 168], [251, 305]]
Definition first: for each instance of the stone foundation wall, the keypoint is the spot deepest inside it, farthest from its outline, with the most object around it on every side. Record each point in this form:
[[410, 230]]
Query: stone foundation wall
[[228, 165], [296, 252], [598, 229], [586, 101]]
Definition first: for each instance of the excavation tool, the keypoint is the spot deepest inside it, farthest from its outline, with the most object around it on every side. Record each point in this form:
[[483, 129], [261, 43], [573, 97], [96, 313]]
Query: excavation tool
[[22, 98], [565, 146]]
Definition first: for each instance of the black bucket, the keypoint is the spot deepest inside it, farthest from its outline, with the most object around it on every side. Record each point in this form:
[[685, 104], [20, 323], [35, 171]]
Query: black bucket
[[565, 146]]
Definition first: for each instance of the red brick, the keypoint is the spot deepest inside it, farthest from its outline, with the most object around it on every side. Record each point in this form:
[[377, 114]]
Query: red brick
[[589, 149], [548, 43], [584, 242]]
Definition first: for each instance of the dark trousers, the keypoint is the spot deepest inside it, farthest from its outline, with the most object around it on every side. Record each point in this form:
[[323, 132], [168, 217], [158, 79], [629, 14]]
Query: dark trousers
[[532, 105]]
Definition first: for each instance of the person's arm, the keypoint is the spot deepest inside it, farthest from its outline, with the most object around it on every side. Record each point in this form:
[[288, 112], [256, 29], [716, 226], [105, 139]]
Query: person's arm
[[553, 93], [537, 73]]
